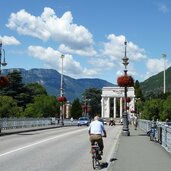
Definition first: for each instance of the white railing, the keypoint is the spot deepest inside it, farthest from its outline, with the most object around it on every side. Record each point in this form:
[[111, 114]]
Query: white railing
[[162, 134], [14, 123]]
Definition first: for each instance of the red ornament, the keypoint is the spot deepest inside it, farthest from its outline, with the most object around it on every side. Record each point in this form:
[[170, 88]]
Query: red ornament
[[125, 81], [128, 99], [3, 81], [84, 106], [62, 99]]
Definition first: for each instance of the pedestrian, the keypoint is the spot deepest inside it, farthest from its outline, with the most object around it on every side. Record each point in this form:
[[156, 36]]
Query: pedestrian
[[71, 120], [135, 122]]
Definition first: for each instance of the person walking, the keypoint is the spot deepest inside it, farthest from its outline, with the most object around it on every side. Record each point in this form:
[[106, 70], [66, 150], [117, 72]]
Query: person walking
[[135, 122]]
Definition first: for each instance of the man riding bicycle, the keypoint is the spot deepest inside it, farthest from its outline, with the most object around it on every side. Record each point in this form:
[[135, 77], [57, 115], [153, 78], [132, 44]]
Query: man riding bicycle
[[96, 131]]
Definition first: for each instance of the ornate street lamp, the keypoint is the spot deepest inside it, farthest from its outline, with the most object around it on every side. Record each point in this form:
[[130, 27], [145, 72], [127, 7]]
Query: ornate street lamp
[[3, 79], [62, 99], [2, 63], [125, 81]]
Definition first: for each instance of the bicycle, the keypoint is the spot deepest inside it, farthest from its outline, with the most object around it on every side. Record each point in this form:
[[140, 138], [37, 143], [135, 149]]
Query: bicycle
[[96, 155]]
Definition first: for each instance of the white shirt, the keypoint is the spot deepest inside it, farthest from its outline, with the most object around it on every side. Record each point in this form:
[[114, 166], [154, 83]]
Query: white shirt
[[96, 127]]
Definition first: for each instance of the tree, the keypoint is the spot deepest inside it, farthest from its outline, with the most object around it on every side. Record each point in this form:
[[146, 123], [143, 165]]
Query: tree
[[152, 109], [36, 89], [9, 108], [22, 94], [76, 109], [32, 90], [15, 88], [166, 114], [138, 91], [43, 106], [94, 95]]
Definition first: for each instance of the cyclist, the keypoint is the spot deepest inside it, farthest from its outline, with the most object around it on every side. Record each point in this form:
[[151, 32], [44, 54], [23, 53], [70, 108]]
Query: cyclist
[[96, 131]]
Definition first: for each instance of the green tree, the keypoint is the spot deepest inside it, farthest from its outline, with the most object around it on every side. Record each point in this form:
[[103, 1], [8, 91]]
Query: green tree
[[9, 108], [22, 94], [43, 106], [15, 88], [32, 90], [138, 91], [152, 109], [94, 95], [166, 114], [36, 89], [76, 109]]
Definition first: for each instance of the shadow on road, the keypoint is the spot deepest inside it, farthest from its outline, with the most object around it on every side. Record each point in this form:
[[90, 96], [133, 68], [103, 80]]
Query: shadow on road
[[113, 159], [103, 165]]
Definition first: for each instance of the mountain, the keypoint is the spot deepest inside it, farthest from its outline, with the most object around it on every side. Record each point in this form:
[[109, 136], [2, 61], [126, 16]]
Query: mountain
[[51, 80], [155, 84]]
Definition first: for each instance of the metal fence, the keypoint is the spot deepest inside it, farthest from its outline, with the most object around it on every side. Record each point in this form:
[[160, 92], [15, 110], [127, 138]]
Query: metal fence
[[14, 123], [162, 133]]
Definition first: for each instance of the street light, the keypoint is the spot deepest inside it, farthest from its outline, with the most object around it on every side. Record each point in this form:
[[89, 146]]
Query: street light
[[62, 93], [2, 63], [164, 80], [125, 129]]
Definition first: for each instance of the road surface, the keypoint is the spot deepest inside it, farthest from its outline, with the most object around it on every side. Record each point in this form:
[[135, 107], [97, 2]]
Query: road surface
[[60, 149]]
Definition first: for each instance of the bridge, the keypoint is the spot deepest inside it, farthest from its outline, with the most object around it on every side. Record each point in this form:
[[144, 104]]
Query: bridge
[[60, 148]]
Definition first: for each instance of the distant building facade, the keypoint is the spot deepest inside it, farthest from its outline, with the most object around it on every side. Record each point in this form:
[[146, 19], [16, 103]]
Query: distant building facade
[[112, 101]]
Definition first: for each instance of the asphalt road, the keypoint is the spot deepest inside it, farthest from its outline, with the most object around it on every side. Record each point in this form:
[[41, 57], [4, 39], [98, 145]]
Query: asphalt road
[[60, 149]]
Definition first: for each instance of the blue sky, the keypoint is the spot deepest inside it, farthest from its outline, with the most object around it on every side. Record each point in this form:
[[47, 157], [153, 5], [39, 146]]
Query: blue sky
[[91, 35]]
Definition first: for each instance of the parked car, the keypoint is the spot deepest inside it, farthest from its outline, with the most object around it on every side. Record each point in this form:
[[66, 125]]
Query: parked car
[[103, 121], [83, 121]]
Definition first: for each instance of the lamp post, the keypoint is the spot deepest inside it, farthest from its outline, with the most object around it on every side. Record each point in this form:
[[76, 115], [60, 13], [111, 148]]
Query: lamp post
[[125, 129], [164, 80], [2, 63], [62, 94]]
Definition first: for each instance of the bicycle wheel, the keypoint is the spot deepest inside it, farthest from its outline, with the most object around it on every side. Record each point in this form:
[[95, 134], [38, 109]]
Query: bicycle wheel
[[94, 162]]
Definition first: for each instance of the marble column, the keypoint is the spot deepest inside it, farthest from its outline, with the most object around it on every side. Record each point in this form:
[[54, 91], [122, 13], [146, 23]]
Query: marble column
[[121, 109], [114, 107], [102, 107]]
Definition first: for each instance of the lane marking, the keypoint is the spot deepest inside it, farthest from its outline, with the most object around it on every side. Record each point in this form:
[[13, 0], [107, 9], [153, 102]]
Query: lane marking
[[40, 142]]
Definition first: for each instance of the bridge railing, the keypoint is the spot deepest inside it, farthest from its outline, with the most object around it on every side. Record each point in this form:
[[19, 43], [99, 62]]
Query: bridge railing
[[162, 133], [14, 123]]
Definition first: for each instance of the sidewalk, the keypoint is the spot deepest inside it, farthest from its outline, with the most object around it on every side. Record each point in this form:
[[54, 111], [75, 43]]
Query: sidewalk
[[137, 153]]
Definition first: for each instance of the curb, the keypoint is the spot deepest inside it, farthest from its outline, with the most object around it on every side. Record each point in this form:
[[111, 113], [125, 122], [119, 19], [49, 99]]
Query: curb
[[113, 153]]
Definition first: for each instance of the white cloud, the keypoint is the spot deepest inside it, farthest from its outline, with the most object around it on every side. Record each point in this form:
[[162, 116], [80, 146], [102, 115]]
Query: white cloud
[[111, 54], [50, 26], [82, 52], [9, 40], [115, 49], [154, 66], [52, 58], [101, 63]]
